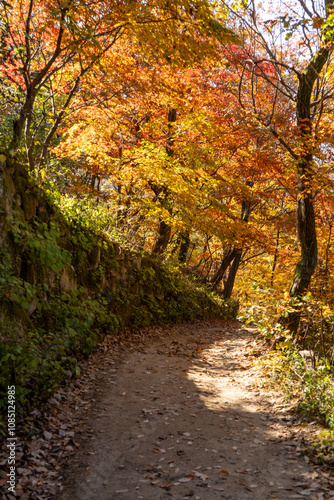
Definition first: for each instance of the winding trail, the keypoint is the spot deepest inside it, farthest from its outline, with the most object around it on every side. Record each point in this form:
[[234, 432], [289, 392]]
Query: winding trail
[[180, 417]]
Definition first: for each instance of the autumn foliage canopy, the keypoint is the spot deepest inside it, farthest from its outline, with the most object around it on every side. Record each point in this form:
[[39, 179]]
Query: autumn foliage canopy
[[200, 132]]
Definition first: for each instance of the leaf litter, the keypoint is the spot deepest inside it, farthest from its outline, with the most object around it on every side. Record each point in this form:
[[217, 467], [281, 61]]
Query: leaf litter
[[100, 435]]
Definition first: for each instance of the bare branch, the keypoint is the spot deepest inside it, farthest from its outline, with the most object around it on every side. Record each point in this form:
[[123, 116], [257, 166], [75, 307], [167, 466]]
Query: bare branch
[[308, 12]]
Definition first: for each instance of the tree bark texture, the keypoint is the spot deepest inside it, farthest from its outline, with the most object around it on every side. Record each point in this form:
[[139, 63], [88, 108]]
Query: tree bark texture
[[228, 288], [233, 255], [226, 261], [164, 230], [306, 227], [184, 247], [275, 258]]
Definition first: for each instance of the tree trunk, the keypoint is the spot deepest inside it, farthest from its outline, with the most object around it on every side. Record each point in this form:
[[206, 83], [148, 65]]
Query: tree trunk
[[306, 227], [306, 232], [228, 288], [245, 212], [184, 247], [226, 261], [165, 229], [275, 259], [25, 113], [162, 241]]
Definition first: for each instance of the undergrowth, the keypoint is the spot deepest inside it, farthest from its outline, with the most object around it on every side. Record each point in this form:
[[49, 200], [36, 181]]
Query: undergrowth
[[38, 358], [311, 387], [300, 365]]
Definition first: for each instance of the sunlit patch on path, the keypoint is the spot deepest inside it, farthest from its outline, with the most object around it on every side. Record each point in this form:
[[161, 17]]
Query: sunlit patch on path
[[182, 418]]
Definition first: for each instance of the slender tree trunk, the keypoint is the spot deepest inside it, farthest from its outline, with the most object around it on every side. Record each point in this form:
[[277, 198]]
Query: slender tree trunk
[[29, 143], [329, 239], [245, 212], [275, 259], [184, 247], [164, 233], [165, 230], [25, 113], [228, 288], [226, 261]]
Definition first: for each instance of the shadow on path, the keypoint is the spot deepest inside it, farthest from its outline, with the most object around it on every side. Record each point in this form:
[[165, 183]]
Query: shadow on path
[[181, 419]]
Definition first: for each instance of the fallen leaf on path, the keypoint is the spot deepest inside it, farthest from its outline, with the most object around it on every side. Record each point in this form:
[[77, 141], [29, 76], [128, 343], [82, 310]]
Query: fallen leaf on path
[[165, 485], [224, 473]]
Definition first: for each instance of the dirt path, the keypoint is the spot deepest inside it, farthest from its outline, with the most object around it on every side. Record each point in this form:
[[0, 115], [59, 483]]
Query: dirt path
[[180, 417]]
